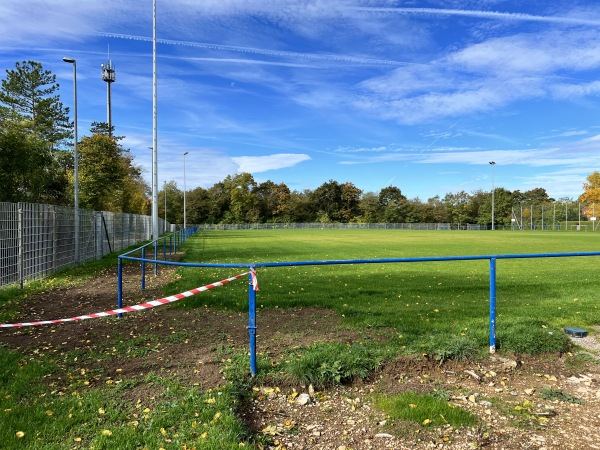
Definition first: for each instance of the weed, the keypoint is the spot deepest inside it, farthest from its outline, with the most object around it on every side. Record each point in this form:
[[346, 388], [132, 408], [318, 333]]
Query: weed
[[556, 394], [326, 364]]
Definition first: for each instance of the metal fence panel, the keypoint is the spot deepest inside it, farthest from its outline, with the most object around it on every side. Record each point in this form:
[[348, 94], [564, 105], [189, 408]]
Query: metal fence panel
[[38, 240]]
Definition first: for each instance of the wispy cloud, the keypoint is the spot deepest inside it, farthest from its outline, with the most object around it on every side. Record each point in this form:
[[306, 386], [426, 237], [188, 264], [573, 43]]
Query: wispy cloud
[[492, 15], [331, 58], [257, 164]]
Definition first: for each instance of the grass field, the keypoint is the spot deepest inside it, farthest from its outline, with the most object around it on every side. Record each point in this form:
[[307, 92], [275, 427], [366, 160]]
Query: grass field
[[436, 308], [425, 303]]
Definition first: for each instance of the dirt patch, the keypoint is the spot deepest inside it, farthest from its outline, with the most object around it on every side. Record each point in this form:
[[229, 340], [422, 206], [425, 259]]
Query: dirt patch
[[505, 392]]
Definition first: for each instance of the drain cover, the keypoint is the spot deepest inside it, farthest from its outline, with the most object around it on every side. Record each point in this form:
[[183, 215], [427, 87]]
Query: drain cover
[[576, 332]]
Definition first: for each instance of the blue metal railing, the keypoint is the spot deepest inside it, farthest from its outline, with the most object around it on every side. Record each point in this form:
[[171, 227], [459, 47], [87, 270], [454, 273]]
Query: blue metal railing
[[253, 266], [174, 240]]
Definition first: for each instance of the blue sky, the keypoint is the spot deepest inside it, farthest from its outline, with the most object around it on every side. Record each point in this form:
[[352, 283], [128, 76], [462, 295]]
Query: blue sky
[[417, 94]]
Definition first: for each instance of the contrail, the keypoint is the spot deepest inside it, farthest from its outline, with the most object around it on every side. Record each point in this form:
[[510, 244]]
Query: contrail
[[484, 15], [262, 51]]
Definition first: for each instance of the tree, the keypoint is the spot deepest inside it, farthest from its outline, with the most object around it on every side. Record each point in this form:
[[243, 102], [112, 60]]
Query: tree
[[591, 189], [394, 205], [24, 160], [350, 202], [198, 205], [503, 203], [369, 208], [32, 123], [29, 93], [243, 206], [457, 205], [104, 167], [174, 202], [327, 201]]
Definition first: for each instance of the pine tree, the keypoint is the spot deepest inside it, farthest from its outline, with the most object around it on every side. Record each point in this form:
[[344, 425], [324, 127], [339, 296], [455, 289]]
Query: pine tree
[[29, 94]]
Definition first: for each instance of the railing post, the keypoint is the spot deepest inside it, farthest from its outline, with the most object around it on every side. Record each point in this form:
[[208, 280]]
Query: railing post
[[143, 268], [252, 320], [492, 305], [120, 284]]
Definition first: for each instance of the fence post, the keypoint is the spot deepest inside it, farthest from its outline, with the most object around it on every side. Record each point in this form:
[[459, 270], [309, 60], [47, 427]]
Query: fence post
[[252, 320], [492, 305], [54, 239], [20, 246]]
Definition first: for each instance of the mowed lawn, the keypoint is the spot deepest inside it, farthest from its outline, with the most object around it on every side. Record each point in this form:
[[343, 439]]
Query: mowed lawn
[[413, 301]]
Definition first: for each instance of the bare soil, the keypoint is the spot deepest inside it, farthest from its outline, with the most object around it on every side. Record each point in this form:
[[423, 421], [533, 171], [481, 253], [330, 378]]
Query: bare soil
[[504, 391]]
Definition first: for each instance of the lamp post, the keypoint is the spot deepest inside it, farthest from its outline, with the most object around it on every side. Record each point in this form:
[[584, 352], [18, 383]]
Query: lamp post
[[75, 157], [184, 189], [492, 163]]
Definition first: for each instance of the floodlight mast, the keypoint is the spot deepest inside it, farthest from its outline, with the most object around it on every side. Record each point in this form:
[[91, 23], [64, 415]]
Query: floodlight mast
[[75, 159], [155, 230]]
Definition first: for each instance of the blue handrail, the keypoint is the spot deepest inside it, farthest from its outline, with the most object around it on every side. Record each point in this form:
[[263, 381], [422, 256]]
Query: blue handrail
[[252, 266]]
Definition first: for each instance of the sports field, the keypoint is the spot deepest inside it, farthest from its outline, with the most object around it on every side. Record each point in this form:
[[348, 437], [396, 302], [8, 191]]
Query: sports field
[[425, 302]]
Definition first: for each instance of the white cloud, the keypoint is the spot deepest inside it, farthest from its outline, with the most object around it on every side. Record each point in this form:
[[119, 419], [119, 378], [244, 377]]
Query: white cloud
[[256, 164], [486, 76]]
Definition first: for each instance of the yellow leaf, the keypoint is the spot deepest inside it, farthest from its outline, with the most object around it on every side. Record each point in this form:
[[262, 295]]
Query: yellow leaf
[[163, 431], [49, 413], [203, 435], [147, 410], [426, 422], [77, 439], [101, 411], [412, 405], [210, 400], [106, 433], [19, 434]]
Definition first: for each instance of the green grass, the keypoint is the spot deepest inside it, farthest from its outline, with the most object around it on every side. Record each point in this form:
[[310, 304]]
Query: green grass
[[443, 301], [438, 309], [39, 414], [424, 409]]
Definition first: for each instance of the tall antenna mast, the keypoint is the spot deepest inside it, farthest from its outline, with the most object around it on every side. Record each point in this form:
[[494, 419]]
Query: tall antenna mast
[[108, 76]]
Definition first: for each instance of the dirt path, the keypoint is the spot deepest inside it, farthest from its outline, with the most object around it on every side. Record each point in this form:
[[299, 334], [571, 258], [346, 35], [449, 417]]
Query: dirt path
[[504, 392]]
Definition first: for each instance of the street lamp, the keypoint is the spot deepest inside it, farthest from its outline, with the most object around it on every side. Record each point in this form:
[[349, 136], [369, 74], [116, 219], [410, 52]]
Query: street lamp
[[492, 163], [184, 189], [76, 158]]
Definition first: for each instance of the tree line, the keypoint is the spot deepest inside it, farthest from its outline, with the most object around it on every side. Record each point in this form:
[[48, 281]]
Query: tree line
[[240, 199], [37, 165]]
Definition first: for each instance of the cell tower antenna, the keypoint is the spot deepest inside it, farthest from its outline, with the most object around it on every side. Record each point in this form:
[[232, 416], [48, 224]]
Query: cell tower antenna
[[108, 76]]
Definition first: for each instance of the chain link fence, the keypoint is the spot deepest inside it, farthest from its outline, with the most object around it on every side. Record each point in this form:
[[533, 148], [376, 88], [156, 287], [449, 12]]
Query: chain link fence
[[39, 240], [559, 216]]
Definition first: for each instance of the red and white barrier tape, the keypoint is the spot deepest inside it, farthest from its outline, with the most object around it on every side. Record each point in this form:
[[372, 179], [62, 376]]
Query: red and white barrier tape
[[254, 279], [138, 307]]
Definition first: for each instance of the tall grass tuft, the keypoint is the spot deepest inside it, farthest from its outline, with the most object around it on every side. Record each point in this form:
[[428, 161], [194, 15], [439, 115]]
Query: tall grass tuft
[[327, 364]]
